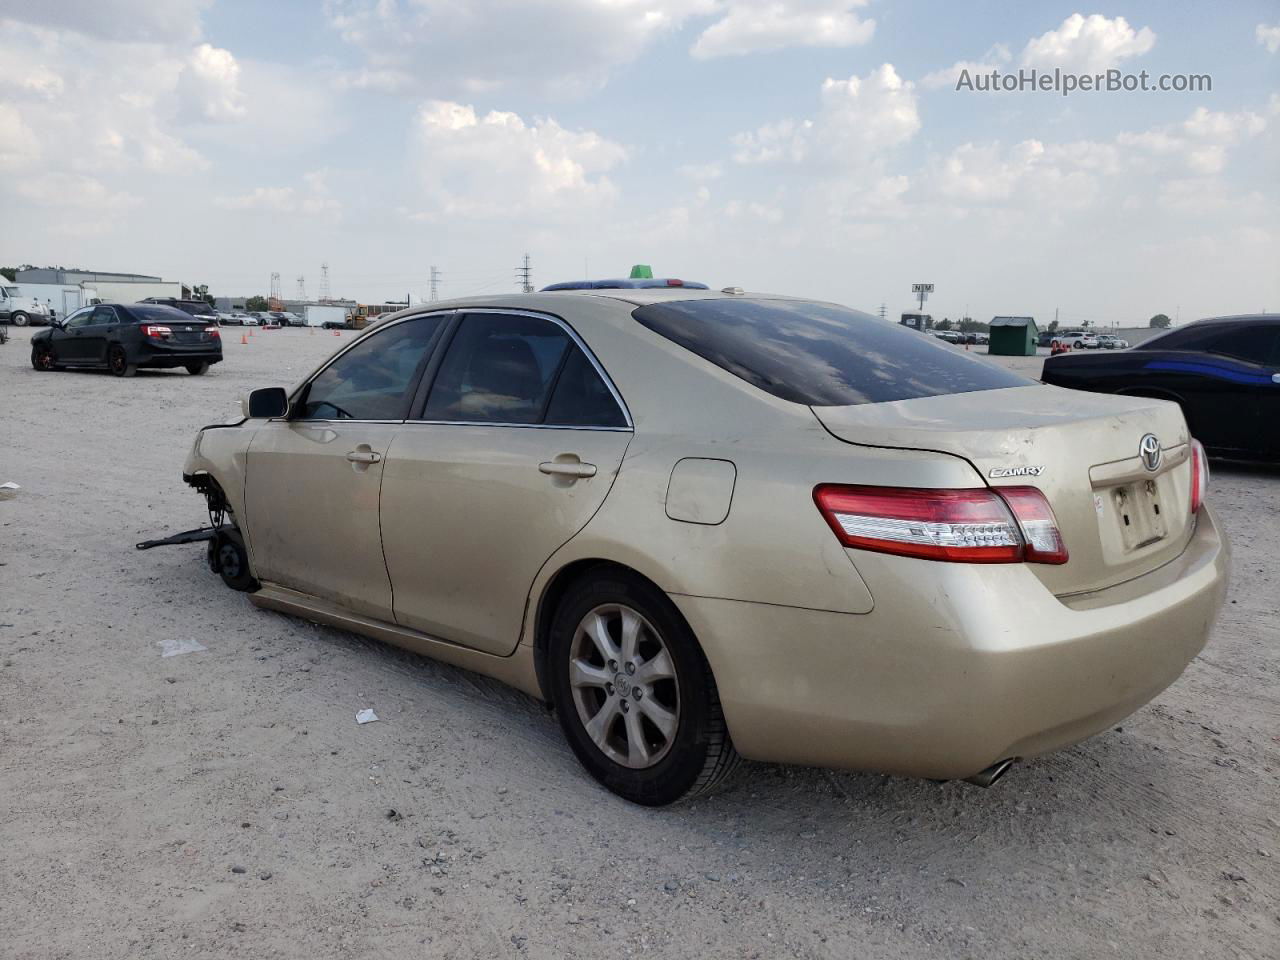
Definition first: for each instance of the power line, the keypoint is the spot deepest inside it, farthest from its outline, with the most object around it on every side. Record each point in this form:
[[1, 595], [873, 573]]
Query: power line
[[524, 273]]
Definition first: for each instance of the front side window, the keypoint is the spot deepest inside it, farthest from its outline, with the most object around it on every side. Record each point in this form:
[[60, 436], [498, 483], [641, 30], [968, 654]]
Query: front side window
[[375, 379], [80, 317], [820, 353], [499, 368]]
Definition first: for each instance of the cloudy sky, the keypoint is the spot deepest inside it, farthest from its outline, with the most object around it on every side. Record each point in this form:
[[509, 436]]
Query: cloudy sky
[[815, 147]]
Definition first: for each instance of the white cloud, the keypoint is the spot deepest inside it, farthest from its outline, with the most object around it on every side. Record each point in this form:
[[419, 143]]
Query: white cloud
[[858, 119], [1268, 36], [497, 165], [993, 59], [136, 21], [750, 26], [1088, 44], [702, 172], [69, 190], [563, 46], [1201, 142], [19, 146], [311, 199], [209, 85]]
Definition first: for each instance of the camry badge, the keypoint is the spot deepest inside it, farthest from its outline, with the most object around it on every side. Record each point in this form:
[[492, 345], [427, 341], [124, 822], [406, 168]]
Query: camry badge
[[999, 472], [1150, 452]]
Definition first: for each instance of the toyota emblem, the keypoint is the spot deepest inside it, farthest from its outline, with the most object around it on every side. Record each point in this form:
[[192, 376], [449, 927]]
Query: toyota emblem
[[1150, 452]]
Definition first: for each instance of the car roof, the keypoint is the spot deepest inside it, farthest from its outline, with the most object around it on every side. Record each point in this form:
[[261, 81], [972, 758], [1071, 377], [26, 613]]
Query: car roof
[[546, 301], [1236, 318]]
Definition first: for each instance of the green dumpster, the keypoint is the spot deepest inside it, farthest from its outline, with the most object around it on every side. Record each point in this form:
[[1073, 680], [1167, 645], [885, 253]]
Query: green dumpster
[[1013, 336]]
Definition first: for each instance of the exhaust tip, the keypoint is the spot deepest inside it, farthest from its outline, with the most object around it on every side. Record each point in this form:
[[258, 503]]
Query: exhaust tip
[[993, 773]]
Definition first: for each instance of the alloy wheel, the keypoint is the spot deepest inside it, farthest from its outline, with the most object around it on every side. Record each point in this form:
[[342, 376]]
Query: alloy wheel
[[624, 686]]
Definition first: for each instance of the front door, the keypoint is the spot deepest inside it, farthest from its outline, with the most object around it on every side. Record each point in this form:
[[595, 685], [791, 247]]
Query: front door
[[313, 480], [69, 343], [519, 443]]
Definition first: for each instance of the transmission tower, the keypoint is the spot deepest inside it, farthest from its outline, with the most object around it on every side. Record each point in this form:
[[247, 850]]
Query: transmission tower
[[524, 273], [273, 302], [324, 282], [882, 311], [302, 287], [435, 281]]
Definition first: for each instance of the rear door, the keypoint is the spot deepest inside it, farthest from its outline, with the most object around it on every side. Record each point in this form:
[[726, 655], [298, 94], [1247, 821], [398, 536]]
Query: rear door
[[313, 481], [519, 441], [93, 335], [1243, 377]]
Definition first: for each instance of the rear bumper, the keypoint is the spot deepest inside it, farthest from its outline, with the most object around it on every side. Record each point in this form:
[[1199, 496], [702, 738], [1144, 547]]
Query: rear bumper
[[177, 355], [984, 665]]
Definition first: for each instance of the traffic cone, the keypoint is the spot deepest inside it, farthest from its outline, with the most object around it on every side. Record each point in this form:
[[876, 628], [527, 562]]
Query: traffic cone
[[244, 339], [337, 333]]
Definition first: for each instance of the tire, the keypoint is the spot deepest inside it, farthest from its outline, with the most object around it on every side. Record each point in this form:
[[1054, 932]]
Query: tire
[[231, 560], [43, 359], [118, 362], [19, 319], [661, 767], [197, 369]]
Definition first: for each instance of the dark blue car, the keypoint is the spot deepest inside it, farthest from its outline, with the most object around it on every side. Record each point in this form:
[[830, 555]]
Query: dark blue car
[[1224, 372]]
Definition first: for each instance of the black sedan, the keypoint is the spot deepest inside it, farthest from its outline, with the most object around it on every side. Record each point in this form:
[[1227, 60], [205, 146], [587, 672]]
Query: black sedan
[[123, 337], [1224, 372]]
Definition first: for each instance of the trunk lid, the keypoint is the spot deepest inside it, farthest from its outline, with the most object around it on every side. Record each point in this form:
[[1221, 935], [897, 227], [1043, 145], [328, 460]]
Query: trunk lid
[[1119, 519]]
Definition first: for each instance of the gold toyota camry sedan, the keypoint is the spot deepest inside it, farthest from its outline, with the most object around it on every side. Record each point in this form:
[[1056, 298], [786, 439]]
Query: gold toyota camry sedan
[[705, 525]]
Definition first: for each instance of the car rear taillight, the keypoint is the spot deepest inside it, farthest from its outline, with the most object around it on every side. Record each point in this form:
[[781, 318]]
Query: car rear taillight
[[1009, 525], [213, 332], [1199, 476], [156, 331]]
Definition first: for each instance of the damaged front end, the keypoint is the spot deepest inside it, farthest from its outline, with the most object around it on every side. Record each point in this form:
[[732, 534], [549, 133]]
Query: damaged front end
[[227, 554]]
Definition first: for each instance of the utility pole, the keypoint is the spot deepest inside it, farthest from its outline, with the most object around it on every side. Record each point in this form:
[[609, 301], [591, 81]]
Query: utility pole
[[274, 301], [324, 283], [435, 281], [302, 287], [524, 274]]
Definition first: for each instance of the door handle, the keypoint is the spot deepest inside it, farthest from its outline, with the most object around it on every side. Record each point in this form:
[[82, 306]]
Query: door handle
[[364, 455], [573, 469]]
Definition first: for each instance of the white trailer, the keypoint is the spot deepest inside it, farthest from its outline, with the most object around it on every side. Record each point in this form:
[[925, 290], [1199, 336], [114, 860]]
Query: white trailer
[[62, 299], [131, 291], [323, 315]]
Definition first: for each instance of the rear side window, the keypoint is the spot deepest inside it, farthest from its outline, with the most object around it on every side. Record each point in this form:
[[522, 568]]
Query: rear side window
[[499, 368], [820, 353], [581, 397], [375, 379], [1256, 343]]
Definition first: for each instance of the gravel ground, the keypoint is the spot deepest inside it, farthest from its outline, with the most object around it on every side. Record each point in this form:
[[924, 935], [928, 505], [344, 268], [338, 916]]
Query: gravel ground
[[224, 802]]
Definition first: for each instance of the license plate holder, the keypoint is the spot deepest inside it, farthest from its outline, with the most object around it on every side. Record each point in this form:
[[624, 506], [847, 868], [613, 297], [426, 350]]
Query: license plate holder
[[1140, 514]]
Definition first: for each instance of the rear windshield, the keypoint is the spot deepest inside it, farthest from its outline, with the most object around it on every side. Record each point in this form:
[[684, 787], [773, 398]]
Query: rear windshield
[[155, 313], [820, 353], [194, 307]]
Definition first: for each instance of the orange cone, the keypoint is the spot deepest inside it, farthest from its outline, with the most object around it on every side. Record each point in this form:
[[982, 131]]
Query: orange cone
[[244, 339], [337, 333]]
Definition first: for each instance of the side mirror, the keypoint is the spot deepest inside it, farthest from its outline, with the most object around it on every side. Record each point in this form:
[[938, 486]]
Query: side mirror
[[266, 403]]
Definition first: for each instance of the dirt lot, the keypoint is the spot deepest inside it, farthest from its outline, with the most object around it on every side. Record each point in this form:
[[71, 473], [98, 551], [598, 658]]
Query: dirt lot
[[225, 803]]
